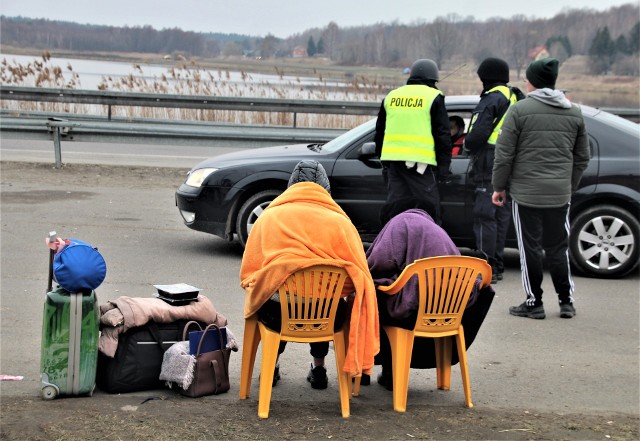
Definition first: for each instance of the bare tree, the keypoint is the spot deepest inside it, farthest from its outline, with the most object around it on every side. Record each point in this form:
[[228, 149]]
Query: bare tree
[[268, 46], [399, 42], [443, 37], [374, 45], [231, 48], [449, 40], [413, 41], [330, 37], [518, 41]]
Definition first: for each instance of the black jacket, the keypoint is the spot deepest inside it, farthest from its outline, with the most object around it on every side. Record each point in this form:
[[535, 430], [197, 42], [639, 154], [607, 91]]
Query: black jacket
[[485, 117]]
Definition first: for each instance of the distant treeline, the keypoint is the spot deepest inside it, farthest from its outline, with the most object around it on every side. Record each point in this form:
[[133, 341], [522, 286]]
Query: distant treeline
[[610, 38]]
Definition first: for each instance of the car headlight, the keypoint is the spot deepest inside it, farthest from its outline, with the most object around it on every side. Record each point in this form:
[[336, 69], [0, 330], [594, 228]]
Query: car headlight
[[197, 177]]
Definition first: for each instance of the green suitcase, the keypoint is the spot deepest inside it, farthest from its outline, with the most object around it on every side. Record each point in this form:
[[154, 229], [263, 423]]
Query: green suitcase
[[69, 352]]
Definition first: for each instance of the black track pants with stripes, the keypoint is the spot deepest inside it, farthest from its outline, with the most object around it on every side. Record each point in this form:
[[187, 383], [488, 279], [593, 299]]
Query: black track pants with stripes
[[543, 232]]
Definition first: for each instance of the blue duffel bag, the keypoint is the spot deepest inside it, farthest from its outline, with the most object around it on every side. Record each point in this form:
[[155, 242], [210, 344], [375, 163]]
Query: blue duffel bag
[[79, 266]]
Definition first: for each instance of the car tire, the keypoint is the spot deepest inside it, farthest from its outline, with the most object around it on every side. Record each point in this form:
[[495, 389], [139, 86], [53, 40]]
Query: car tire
[[604, 242], [251, 210]]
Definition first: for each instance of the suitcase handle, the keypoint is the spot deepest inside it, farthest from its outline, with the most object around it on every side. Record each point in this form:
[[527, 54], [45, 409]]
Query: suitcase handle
[[50, 283], [53, 237]]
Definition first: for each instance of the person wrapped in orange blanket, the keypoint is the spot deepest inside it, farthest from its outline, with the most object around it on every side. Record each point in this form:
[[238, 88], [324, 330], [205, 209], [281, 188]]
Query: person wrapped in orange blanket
[[303, 227]]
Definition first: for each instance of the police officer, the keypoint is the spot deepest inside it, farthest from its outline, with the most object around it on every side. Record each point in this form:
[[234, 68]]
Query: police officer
[[413, 139], [490, 222]]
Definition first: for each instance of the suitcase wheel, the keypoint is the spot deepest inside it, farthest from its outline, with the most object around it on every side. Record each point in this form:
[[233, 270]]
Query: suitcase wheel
[[49, 392]]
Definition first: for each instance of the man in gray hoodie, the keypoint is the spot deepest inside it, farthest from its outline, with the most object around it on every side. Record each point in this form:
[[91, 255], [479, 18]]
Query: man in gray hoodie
[[541, 153]]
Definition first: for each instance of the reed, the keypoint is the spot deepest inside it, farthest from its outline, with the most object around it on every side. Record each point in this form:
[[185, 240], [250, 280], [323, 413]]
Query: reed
[[233, 80], [192, 79]]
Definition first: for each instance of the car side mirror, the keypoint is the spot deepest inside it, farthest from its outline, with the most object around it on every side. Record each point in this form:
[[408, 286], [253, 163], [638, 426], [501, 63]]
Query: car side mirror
[[367, 150]]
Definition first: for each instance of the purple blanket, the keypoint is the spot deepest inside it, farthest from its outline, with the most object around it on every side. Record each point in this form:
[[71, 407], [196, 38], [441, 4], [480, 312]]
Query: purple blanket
[[409, 236]]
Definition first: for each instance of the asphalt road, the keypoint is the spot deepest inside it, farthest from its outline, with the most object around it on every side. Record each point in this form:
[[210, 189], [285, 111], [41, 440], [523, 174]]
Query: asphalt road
[[588, 364], [109, 153]]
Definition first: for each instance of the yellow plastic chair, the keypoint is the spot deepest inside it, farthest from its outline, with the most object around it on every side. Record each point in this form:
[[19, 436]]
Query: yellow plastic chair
[[445, 284], [308, 301]]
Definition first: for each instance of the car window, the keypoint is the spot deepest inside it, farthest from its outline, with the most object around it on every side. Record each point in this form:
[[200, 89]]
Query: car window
[[457, 151], [349, 137]]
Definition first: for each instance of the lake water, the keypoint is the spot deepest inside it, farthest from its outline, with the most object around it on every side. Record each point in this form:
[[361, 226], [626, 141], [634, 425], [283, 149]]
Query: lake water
[[93, 72]]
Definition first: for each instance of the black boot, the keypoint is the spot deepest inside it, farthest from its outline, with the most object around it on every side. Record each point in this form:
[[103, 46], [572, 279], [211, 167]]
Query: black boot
[[385, 379]]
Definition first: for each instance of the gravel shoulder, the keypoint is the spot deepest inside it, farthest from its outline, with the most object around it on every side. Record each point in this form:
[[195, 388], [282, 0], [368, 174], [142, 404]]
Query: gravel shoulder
[[173, 417]]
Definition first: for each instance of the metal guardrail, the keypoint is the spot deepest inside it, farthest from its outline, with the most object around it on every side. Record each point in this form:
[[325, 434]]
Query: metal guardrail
[[632, 114], [60, 126], [166, 131], [43, 125], [158, 132], [112, 98]]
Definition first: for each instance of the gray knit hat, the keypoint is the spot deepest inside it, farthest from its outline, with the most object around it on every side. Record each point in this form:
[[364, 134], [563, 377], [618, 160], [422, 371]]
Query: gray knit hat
[[543, 73], [310, 171]]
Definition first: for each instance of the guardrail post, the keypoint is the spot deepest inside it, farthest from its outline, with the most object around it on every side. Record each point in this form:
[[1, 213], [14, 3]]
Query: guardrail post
[[57, 133], [56, 147], [295, 116]]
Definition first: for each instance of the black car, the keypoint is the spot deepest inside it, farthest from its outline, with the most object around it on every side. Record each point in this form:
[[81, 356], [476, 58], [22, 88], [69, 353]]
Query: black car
[[224, 195]]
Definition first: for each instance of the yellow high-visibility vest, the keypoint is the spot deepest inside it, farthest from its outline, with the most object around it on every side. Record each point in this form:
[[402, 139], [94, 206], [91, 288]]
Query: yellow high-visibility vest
[[512, 100], [407, 135]]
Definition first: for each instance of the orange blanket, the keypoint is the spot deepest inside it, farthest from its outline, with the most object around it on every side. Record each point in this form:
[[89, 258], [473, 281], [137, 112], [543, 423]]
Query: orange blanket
[[304, 227]]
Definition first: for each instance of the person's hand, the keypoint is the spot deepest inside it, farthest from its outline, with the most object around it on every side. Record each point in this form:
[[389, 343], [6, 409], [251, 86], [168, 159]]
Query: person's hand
[[499, 198], [444, 176]]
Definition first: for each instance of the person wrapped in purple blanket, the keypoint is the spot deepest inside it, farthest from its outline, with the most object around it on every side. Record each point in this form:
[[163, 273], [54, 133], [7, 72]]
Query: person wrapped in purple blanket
[[410, 234]]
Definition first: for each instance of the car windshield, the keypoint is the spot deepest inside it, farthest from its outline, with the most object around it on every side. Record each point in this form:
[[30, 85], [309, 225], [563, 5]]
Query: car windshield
[[349, 137]]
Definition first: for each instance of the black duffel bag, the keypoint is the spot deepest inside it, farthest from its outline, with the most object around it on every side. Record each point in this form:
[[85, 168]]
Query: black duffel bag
[[138, 359]]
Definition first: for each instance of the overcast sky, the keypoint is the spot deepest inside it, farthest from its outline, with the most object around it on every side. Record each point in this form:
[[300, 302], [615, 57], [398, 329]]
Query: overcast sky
[[280, 17]]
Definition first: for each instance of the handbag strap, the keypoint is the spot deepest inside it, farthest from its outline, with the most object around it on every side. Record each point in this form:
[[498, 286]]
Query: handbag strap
[[215, 366], [186, 328], [211, 326], [221, 377], [225, 354]]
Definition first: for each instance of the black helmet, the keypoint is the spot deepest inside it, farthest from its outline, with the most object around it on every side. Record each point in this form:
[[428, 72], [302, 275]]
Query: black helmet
[[425, 69]]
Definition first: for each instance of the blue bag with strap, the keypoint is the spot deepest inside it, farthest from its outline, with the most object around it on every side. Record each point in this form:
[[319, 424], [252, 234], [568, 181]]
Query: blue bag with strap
[[79, 267]]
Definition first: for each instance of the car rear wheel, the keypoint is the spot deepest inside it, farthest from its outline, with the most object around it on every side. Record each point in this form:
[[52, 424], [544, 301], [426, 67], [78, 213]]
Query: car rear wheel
[[251, 210], [604, 241]]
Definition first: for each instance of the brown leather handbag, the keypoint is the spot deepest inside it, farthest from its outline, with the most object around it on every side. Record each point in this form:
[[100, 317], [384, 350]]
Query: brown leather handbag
[[211, 372]]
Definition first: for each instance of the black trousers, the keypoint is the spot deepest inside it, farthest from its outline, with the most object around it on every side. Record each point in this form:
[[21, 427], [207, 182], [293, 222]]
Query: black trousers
[[271, 316], [407, 184], [490, 226], [543, 232]]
